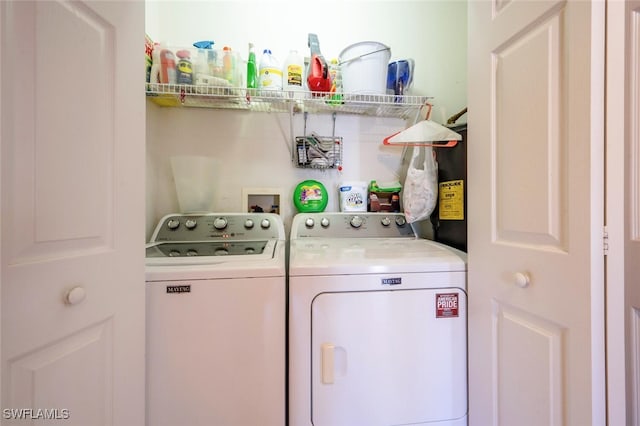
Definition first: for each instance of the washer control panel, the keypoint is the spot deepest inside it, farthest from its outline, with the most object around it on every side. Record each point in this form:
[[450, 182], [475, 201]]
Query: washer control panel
[[219, 226], [351, 225]]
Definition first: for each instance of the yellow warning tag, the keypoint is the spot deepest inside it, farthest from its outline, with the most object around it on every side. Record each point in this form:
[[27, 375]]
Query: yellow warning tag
[[451, 200]]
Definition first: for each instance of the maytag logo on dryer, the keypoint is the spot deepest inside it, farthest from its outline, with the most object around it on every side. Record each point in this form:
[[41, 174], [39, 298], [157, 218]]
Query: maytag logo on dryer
[[392, 281], [173, 289]]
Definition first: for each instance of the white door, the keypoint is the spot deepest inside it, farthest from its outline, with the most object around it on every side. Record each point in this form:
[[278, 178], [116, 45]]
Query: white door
[[72, 189], [389, 358], [623, 212], [536, 262]]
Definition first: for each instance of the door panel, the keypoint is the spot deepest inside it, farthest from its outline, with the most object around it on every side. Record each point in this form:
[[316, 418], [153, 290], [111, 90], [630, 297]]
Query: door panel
[[528, 350], [36, 377], [529, 182], [72, 188], [57, 213], [632, 202], [623, 212], [536, 261], [389, 357]]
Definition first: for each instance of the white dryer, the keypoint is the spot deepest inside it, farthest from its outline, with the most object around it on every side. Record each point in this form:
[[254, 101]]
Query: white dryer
[[377, 324], [216, 320]]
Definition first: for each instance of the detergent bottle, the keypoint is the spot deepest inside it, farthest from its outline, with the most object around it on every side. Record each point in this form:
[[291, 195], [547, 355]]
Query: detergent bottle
[[293, 72], [270, 72]]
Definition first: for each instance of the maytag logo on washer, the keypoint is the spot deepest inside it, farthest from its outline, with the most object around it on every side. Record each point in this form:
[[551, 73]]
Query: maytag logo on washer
[[171, 289], [392, 281]]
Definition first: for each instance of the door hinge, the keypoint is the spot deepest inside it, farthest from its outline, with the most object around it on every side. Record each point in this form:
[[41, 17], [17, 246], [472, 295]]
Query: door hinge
[[605, 241]]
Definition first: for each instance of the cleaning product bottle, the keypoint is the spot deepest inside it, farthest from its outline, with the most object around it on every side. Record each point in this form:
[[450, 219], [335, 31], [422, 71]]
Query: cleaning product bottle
[[154, 76], [252, 69], [148, 56], [167, 66], [270, 72], [336, 82], [202, 67], [292, 72], [184, 68], [228, 64]]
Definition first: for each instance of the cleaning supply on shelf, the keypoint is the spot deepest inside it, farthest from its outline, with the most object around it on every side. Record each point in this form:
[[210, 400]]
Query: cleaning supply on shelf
[[293, 72], [384, 196], [270, 72], [228, 64], [252, 69], [184, 68], [310, 196], [318, 78], [204, 62], [167, 65], [154, 74], [336, 82], [353, 196], [148, 56]]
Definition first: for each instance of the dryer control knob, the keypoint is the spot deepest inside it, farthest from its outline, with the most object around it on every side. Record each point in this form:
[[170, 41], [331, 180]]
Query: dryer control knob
[[309, 223], [220, 223], [386, 221], [401, 221], [356, 221], [265, 224], [248, 223], [324, 222], [173, 224], [191, 223]]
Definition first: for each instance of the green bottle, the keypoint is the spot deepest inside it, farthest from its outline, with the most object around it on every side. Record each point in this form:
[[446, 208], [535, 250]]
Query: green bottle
[[252, 69]]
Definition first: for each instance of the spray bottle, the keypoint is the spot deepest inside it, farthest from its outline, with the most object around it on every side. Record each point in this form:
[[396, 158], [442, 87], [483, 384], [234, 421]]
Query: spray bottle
[[252, 69], [167, 65]]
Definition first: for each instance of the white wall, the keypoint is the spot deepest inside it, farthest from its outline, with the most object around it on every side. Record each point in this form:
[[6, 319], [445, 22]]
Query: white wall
[[253, 149]]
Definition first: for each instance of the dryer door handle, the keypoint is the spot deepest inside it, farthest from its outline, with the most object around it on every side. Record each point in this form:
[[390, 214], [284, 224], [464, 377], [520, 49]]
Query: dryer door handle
[[328, 362]]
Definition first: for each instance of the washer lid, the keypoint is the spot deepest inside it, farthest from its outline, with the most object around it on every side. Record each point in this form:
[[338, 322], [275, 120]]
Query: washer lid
[[331, 256]]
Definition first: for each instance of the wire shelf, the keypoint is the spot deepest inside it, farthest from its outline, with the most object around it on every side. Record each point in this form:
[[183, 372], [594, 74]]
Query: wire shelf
[[228, 97]]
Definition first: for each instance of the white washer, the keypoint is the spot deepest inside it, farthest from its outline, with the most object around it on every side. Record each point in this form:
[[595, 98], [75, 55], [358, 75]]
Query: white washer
[[216, 320], [377, 324]]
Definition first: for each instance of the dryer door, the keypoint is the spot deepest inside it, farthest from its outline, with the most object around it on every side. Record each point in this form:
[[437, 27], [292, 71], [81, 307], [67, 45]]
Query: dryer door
[[389, 357]]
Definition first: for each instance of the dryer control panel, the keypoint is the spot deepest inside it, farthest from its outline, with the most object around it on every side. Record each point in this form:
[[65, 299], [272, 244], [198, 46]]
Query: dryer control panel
[[350, 225]]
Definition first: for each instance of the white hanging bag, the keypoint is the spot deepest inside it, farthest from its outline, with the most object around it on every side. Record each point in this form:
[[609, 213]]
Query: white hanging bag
[[420, 192]]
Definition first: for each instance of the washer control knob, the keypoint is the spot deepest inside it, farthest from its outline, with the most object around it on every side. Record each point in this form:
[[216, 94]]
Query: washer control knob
[[173, 224], [190, 223], [265, 224], [401, 221], [248, 223], [356, 222], [385, 221], [220, 223], [309, 222], [324, 222]]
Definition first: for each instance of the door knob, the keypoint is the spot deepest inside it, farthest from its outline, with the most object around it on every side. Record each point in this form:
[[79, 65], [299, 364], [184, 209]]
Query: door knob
[[75, 295], [522, 279]]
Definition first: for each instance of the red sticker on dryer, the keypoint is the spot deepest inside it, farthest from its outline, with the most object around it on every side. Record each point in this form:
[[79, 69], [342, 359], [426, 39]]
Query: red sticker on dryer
[[446, 305]]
